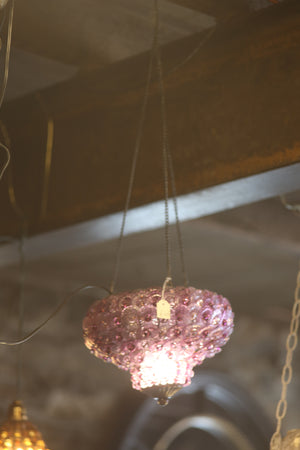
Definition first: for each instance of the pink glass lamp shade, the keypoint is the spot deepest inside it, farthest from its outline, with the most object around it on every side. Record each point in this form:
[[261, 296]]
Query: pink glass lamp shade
[[17, 433], [159, 354]]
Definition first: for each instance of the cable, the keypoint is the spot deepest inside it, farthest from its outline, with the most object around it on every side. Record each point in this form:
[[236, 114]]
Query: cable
[[48, 156], [5, 78], [177, 221], [137, 148], [21, 308], [7, 160], [167, 158], [164, 136], [8, 49], [65, 300], [193, 53], [168, 163]]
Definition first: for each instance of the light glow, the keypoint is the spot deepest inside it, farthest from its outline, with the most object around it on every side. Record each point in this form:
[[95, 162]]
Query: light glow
[[125, 329], [17, 433], [292, 440], [161, 369]]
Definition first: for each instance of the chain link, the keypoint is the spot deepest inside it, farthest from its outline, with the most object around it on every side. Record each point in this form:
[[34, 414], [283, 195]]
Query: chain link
[[165, 137], [287, 372], [167, 161], [133, 168], [168, 169]]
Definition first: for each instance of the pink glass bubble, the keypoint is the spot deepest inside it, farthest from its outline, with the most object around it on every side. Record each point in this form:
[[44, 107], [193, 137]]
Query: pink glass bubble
[[124, 329]]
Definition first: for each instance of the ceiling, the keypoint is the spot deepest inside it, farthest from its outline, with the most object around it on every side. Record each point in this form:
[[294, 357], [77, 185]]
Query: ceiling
[[249, 253], [89, 34], [53, 39]]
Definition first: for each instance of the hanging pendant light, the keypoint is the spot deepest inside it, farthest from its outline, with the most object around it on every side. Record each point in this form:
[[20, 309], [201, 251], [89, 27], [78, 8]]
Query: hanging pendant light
[[158, 334], [160, 354], [17, 433]]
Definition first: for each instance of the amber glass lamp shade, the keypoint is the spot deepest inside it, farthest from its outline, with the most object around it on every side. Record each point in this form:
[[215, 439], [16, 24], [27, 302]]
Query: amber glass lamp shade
[[17, 433], [292, 440]]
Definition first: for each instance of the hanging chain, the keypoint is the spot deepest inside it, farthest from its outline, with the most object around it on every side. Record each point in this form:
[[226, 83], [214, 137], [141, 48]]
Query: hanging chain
[[168, 162], [177, 221], [164, 137], [133, 169], [287, 372]]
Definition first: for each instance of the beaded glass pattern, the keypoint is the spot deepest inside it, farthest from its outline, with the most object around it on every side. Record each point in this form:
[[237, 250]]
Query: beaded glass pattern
[[291, 440], [17, 433], [124, 329]]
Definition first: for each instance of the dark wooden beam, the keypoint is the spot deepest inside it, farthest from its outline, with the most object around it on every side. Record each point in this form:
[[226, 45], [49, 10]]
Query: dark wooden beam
[[233, 111], [221, 10]]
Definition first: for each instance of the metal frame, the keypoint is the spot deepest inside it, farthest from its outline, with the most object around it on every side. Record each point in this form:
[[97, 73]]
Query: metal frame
[[221, 429]]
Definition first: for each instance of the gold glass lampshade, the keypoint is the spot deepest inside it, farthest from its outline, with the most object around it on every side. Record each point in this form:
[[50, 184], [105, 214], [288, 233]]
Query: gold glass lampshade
[[17, 433], [291, 440]]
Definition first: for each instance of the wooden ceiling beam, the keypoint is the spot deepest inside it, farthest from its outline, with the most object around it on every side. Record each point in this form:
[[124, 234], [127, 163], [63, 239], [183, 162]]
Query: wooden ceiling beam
[[233, 111], [221, 10]]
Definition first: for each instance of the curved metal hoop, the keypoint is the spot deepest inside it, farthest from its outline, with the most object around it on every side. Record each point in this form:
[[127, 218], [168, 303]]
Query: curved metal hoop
[[215, 426]]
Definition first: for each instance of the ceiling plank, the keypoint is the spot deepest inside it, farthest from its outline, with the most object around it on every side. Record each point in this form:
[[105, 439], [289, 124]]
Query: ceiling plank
[[202, 203], [232, 113], [221, 10], [93, 34]]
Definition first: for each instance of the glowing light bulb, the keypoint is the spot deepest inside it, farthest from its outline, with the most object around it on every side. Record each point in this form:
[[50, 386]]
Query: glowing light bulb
[[159, 353], [161, 369], [17, 433]]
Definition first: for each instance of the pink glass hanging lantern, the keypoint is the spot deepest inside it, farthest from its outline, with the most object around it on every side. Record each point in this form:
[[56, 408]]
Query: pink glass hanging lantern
[[159, 354], [158, 334]]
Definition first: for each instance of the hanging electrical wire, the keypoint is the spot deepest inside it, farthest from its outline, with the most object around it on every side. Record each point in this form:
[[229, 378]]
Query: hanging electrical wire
[[168, 172], [48, 156], [5, 78], [167, 157], [65, 300]]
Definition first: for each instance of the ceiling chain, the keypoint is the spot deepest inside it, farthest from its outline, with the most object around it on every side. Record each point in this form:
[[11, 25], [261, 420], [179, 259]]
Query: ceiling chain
[[287, 372]]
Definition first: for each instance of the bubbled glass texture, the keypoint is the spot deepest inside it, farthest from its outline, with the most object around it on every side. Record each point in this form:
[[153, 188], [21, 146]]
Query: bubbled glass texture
[[124, 329], [20, 435], [292, 440]]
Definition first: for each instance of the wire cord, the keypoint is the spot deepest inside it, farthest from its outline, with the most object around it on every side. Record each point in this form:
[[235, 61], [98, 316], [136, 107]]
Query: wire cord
[[5, 78], [65, 300]]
